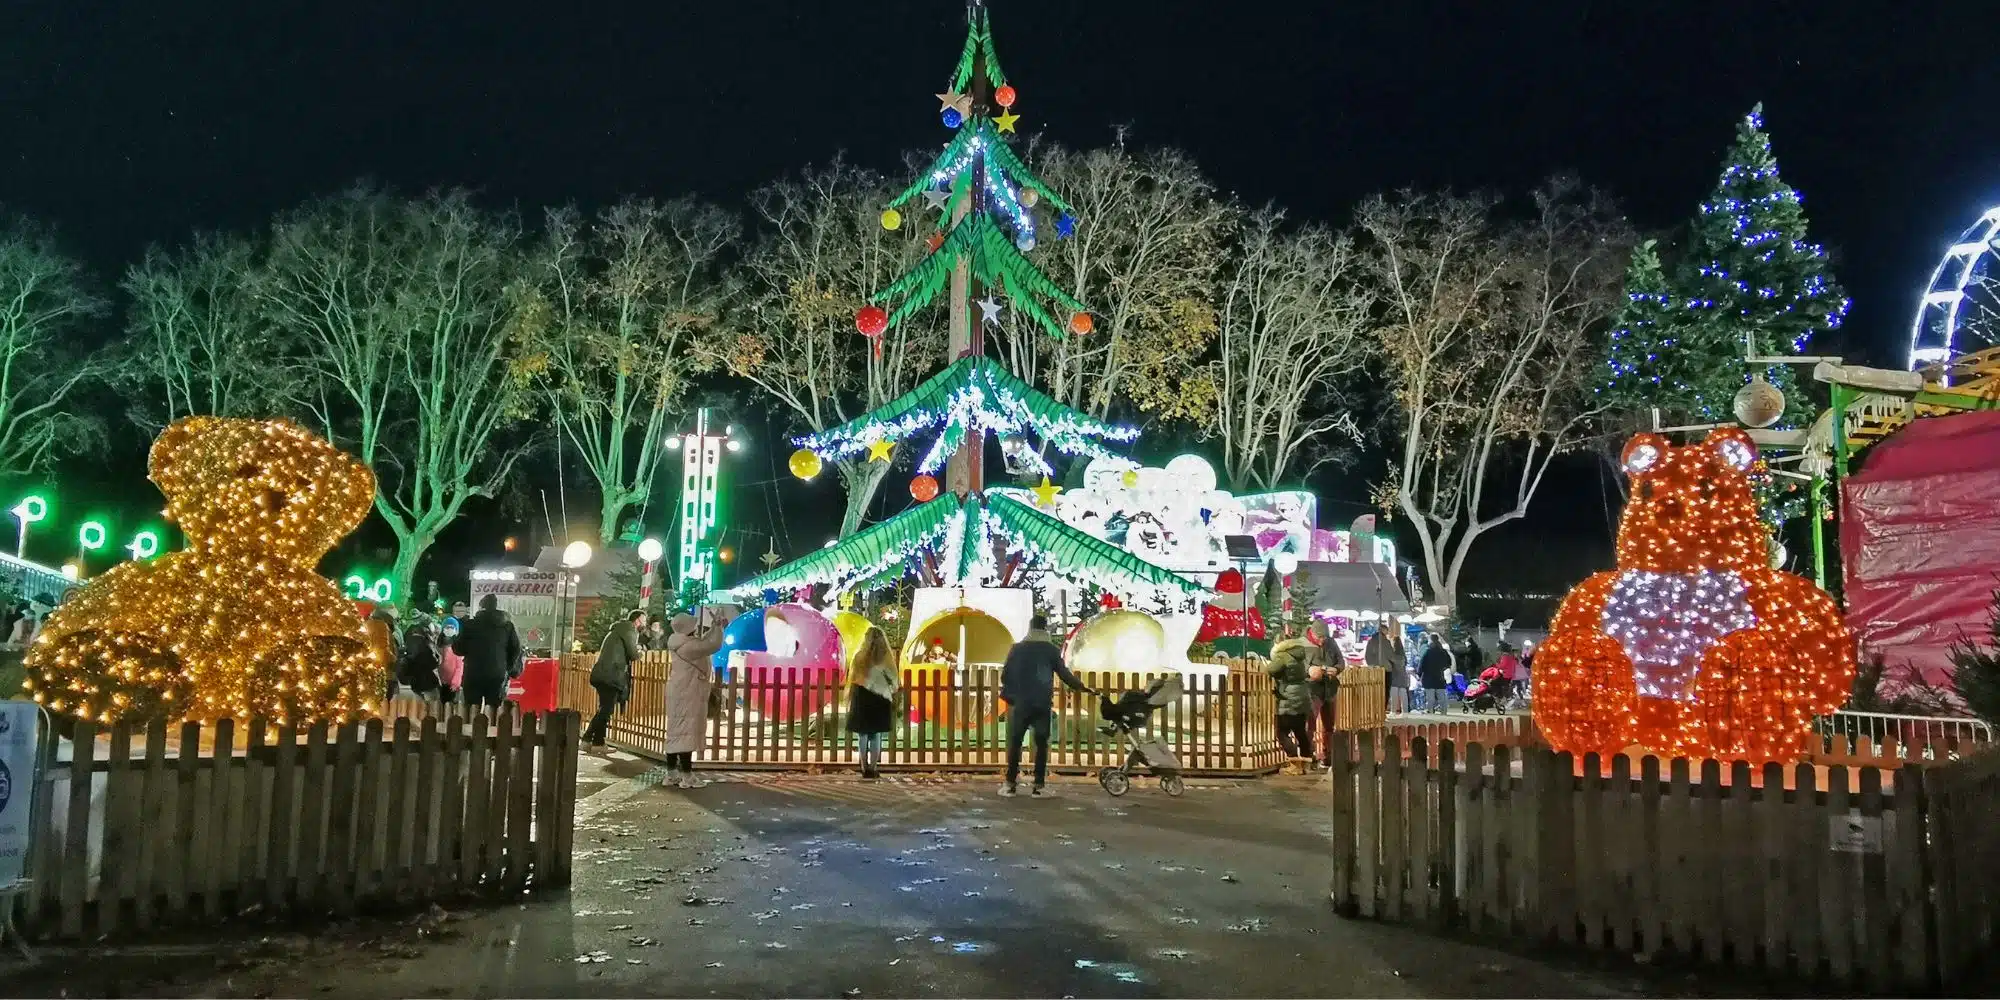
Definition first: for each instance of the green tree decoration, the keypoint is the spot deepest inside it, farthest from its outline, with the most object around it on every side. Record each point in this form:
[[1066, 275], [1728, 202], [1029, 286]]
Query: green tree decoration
[[987, 210]]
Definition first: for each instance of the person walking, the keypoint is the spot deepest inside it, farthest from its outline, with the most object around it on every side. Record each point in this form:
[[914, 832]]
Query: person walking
[[492, 651], [1385, 650], [1437, 663], [872, 680], [1294, 664], [611, 675], [690, 681], [1027, 684], [382, 630]]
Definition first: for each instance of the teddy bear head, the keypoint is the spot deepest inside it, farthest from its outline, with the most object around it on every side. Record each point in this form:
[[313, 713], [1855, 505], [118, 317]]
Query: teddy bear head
[[1691, 508], [258, 488]]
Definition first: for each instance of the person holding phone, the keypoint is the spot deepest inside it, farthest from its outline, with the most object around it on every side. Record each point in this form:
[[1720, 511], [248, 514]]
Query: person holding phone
[[691, 645]]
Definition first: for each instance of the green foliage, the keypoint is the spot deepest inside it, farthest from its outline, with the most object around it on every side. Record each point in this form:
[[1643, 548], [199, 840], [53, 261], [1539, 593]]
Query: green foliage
[[1975, 670], [614, 606]]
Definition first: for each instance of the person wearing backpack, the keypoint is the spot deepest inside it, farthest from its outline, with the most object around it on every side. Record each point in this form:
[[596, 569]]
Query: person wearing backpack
[[417, 667]]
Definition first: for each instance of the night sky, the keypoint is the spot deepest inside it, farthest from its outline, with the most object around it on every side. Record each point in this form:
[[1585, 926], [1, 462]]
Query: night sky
[[128, 123]]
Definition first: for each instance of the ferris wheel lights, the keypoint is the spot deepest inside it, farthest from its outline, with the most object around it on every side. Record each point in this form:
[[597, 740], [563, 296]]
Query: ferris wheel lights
[[1929, 354], [1943, 298]]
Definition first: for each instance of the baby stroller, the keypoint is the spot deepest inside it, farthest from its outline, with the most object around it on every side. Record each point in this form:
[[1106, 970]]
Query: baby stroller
[[1126, 716], [1486, 693]]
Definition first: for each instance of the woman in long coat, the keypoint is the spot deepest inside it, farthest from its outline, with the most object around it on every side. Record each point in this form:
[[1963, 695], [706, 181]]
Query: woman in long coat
[[690, 677], [872, 680]]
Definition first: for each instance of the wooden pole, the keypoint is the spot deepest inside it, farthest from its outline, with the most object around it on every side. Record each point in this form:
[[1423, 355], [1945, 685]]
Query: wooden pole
[[965, 473]]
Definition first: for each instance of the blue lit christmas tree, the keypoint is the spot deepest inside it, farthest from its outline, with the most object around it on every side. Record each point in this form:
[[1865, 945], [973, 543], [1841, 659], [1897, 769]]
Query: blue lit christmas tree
[[1751, 283]]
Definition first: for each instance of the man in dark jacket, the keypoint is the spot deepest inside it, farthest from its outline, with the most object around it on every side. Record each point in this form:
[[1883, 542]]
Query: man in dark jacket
[[612, 674], [1436, 663], [492, 652], [1027, 682]]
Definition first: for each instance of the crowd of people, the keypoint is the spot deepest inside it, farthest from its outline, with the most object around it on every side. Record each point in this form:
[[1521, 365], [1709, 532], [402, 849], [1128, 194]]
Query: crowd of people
[[1305, 669]]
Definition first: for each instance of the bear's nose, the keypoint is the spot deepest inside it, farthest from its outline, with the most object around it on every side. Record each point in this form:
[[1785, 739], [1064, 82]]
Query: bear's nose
[[274, 501], [1670, 508]]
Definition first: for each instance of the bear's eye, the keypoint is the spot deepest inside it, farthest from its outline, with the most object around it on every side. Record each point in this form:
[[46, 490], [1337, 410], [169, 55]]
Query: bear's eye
[[249, 471]]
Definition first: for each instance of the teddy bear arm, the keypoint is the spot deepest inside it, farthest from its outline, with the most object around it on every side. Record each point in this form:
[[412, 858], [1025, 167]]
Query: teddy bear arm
[[1584, 690], [1818, 643]]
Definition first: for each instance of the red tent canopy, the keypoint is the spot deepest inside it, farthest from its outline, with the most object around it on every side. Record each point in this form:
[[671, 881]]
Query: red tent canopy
[[1920, 542]]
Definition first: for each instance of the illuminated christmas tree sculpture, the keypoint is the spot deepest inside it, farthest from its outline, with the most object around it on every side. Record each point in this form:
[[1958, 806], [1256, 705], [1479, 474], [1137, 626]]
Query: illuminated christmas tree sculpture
[[986, 213]]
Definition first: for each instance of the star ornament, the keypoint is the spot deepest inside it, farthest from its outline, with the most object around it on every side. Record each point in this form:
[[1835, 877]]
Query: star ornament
[[936, 198], [989, 310], [953, 100], [1045, 494], [771, 559], [1005, 122], [878, 451]]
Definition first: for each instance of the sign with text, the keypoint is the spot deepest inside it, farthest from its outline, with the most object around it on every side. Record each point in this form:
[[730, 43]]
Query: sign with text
[[20, 723]]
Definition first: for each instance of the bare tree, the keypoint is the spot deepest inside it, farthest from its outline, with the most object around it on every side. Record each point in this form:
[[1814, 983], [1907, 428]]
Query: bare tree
[[1487, 330], [623, 296], [45, 299], [1144, 257], [198, 344], [407, 317], [1292, 327], [821, 253]]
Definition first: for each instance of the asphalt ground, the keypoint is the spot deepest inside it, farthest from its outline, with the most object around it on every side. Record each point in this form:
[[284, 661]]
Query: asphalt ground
[[826, 885]]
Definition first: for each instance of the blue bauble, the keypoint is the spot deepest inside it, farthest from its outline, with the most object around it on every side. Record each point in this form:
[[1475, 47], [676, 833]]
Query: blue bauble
[[744, 632], [951, 118], [1066, 226]]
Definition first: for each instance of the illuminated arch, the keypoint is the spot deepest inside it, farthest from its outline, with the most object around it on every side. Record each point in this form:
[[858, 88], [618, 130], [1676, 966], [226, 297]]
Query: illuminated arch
[[1958, 292]]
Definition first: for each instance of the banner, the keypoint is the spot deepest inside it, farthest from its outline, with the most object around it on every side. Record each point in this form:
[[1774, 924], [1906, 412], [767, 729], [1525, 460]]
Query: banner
[[19, 722]]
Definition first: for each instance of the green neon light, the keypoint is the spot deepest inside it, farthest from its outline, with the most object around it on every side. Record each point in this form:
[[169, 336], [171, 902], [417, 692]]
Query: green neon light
[[145, 547], [91, 535], [31, 509]]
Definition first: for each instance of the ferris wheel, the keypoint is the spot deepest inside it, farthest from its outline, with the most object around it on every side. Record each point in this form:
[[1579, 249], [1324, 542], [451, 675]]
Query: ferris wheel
[[1961, 310]]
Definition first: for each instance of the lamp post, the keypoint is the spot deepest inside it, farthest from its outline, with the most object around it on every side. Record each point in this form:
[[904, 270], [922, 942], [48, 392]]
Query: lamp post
[[90, 536], [650, 551], [28, 511], [701, 463], [575, 556]]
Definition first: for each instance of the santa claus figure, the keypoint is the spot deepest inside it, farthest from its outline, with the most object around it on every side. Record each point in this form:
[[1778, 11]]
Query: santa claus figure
[[1231, 621]]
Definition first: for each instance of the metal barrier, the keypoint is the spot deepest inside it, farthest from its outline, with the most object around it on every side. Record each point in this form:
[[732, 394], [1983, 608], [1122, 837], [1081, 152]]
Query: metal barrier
[[1908, 730]]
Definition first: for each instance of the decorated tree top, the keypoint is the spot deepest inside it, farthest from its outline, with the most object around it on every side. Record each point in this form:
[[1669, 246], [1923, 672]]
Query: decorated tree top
[[1754, 268], [989, 208], [1751, 284], [973, 396]]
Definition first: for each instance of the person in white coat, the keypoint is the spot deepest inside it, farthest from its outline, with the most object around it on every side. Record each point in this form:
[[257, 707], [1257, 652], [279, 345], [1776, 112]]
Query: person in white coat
[[690, 679]]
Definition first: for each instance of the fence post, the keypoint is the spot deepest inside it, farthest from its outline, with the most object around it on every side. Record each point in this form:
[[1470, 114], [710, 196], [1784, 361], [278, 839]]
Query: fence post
[[1444, 902], [1341, 774]]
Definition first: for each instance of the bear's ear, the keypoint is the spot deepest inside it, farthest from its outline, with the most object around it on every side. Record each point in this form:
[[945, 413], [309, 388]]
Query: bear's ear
[[1733, 446], [1642, 454], [167, 451]]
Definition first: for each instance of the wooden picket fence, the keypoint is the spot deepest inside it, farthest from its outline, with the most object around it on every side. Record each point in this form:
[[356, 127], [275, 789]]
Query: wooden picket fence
[[784, 718], [140, 827], [1859, 877]]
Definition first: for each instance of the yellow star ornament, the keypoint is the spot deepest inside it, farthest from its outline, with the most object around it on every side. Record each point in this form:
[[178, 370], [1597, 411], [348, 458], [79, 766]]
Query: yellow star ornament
[[879, 451], [1005, 121], [1045, 494]]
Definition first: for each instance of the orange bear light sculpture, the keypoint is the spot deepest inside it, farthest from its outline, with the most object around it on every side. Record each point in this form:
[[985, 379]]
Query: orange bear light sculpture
[[1693, 646], [238, 624]]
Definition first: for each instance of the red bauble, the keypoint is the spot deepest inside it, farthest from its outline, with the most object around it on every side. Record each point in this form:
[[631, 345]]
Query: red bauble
[[934, 241], [871, 321], [924, 488], [1005, 96], [1080, 323], [1110, 602]]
